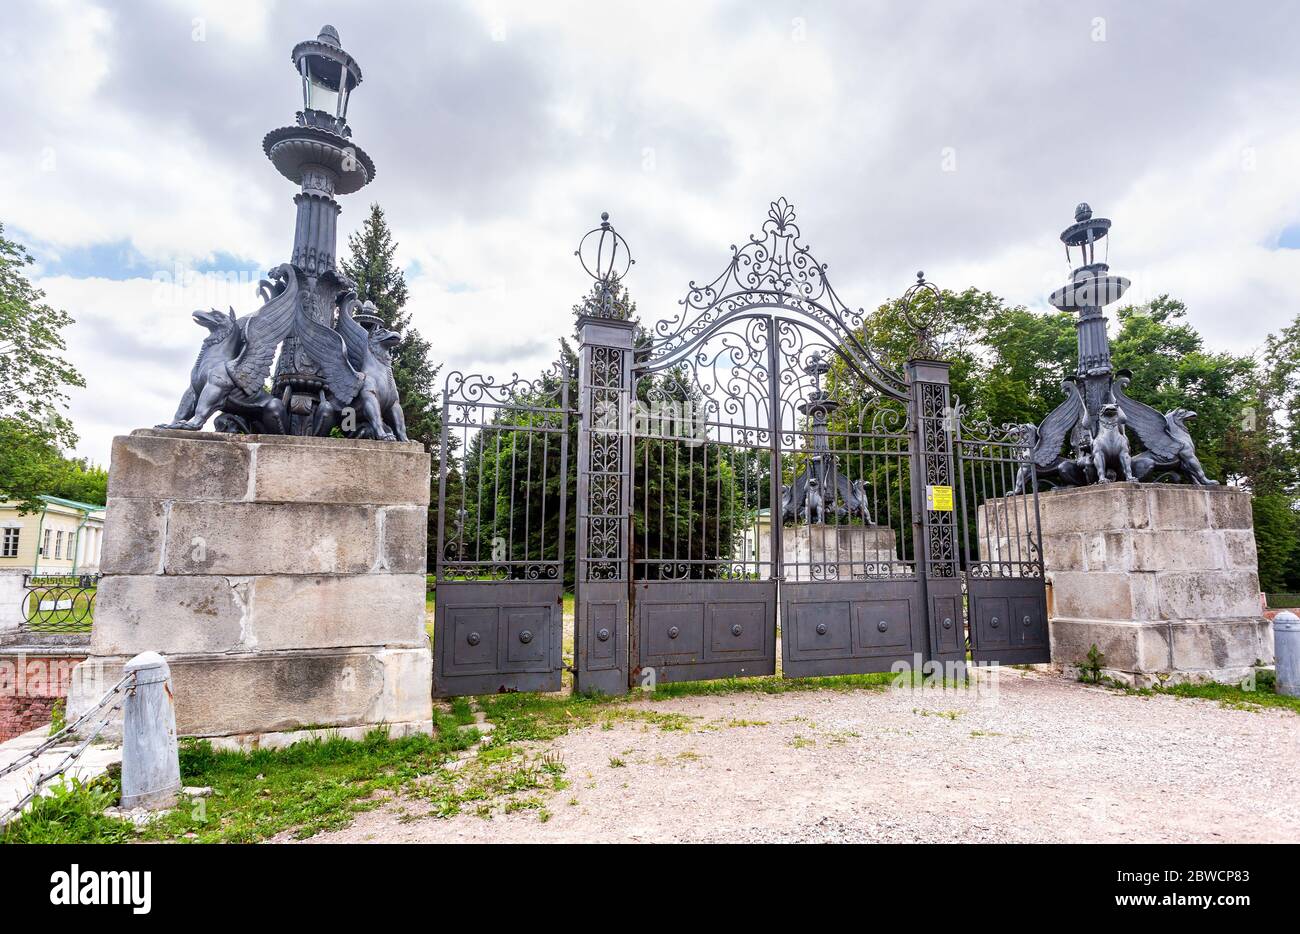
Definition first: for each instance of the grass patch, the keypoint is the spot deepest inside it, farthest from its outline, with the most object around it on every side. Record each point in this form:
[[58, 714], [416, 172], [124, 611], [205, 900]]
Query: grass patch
[[1233, 696], [773, 684], [504, 778], [304, 788], [72, 812], [307, 787]]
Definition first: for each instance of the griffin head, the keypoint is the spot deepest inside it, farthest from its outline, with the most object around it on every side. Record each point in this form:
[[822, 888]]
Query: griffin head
[[382, 342], [1026, 433], [1180, 415], [215, 321], [1109, 414]]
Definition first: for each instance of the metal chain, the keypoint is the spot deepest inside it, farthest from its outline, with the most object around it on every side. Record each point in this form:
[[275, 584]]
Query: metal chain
[[117, 691]]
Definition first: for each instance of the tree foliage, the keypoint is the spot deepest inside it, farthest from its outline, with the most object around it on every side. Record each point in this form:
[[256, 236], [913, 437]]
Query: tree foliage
[[34, 377], [372, 264]]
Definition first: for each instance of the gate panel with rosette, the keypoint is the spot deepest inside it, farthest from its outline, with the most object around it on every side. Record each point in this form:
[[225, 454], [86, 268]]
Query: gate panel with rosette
[[1001, 544], [503, 532]]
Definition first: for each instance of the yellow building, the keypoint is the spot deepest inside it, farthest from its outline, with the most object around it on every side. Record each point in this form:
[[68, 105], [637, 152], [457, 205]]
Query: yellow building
[[64, 537]]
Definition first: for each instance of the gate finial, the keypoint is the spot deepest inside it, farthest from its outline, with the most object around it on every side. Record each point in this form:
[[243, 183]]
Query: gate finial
[[922, 321], [606, 257]]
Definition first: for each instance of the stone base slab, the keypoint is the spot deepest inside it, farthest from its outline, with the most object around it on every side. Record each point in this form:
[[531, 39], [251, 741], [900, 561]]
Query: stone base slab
[[1151, 653], [281, 577], [1161, 577], [820, 552], [239, 695]]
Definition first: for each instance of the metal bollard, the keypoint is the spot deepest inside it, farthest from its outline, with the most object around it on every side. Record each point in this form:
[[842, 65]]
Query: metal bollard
[[1286, 652], [151, 770]]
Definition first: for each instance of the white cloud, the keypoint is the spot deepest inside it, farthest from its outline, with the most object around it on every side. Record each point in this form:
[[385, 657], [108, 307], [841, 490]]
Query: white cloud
[[502, 129]]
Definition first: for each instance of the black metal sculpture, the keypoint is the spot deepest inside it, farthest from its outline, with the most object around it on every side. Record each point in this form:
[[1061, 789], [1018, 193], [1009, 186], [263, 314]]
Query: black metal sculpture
[[334, 368], [820, 489], [1097, 414]]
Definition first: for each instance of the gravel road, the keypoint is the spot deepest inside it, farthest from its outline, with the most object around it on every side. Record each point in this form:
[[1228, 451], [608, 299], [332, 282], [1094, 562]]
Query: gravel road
[[1045, 759]]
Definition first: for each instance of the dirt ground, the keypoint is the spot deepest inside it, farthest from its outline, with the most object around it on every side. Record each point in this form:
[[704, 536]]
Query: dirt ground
[[1040, 759]]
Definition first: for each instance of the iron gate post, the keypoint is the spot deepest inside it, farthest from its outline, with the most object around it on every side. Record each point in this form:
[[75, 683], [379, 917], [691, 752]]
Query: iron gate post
[[933, 426], [603, 571]]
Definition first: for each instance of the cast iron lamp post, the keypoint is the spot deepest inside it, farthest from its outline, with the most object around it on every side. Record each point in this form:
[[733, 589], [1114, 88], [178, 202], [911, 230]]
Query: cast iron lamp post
[[318, 154], [332, 354], [1089, 290]]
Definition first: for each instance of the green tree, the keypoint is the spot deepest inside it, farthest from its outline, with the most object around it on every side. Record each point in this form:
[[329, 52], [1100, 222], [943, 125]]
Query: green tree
[[372, 264], [1277, 541], [33, 380], [1172, 369]]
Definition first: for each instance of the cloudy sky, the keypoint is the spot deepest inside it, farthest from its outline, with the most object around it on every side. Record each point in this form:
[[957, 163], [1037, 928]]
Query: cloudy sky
[[948, 136]]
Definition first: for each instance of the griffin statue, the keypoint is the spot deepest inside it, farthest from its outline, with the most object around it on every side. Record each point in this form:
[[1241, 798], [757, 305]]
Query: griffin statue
[[1097, 413], [332, 354]]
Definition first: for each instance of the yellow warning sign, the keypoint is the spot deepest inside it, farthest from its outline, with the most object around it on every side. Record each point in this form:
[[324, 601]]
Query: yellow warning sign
[[938, 498]]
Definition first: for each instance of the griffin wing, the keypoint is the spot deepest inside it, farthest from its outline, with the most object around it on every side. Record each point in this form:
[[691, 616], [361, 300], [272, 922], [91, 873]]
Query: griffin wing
[[1148, 424], [355, 337], [1054, 429], [327, 347], [263, 332]]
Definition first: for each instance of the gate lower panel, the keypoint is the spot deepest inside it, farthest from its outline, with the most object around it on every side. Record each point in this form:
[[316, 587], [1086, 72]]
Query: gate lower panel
[[698, 630], [849, 628], [1008, 620], [493, 637]]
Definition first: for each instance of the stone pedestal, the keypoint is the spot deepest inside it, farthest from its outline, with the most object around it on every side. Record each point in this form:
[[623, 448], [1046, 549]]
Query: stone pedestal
[[849, 552], [1162, 578], [283, 578]]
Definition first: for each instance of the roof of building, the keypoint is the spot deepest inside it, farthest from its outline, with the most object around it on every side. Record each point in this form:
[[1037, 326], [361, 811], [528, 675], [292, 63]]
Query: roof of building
[[71, 503]]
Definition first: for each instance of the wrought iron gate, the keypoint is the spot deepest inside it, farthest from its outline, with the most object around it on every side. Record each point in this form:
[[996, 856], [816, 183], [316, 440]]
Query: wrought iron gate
[[503, 530], [748, 473], [772, 468], [1001, 543]]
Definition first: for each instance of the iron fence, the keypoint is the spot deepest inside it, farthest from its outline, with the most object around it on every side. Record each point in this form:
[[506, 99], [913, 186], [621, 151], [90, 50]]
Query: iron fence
[[59, 603]]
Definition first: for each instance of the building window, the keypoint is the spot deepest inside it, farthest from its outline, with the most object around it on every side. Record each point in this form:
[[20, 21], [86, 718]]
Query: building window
[[58, 544], [45, 544], [10, 547]]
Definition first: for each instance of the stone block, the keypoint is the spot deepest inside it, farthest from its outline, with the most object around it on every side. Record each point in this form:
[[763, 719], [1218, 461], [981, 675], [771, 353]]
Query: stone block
[[256, 693], [1177, 508], [405, 539], [149, 466], [1220, 644], [270, 538], [397, 474], [1111, 506], [1229, 508], [1205, 595], [150, 612], [1190, 550], [1127, 646], [134, 533], [1064, 552], [1103, 595], [1240, 550], [1107, 551], [333, 612]]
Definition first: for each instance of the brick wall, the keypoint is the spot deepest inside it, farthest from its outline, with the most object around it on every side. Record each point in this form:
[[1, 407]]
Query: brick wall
[[29, 687]]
